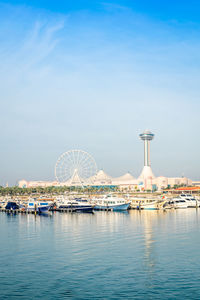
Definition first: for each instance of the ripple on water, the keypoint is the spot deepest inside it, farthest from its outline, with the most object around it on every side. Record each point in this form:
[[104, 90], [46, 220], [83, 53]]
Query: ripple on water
[[106, 255]]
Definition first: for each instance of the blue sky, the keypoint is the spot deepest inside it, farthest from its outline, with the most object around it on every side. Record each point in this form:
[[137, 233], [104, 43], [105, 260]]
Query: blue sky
[[92, 75]]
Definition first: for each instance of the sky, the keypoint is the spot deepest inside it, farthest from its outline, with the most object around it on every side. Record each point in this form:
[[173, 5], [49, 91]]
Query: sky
[[93, 75]]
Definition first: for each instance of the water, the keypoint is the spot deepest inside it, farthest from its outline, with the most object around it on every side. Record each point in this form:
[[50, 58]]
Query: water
[[106, 255]]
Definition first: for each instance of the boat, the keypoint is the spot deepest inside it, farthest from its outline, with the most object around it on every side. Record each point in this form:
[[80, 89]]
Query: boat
[[109, 202], [192, 201], [3, 204], [152, 205], [61, 201], [77, 205], [38, 206], [83, 205], [178, 203], [11, 206], [167, 205]]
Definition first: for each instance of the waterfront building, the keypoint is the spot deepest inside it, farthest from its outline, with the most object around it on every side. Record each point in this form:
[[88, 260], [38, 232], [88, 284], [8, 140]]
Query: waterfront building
[[31, 184], [123, 182], [101, 178], [146, 180]]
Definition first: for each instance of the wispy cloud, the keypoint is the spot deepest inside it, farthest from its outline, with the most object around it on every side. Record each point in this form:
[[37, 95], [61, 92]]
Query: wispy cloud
[[40, 42], [93, 80], [113, 6]]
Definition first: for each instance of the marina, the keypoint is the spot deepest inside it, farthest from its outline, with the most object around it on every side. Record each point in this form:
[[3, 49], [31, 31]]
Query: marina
[[99, 180], [89, 204]]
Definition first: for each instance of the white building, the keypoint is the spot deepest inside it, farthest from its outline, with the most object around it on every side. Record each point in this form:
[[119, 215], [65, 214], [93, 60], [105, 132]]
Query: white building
[[127, 181], [145, 181]]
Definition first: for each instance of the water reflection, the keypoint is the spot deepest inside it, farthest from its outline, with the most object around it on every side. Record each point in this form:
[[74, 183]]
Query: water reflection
[[159, 225], [105, 255], [149, 251]]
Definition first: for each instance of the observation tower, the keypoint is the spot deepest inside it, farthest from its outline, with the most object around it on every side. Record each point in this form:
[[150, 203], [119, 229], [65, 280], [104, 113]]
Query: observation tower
[[146, 136], [147, 173]]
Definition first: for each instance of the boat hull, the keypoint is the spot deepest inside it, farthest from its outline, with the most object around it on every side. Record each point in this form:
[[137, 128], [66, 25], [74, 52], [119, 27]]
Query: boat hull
[[150, 208], [78, 208], [12, 206], [180, 206], [39, 209], [156, 205], [43, 209], [119, 207], [88, 209]]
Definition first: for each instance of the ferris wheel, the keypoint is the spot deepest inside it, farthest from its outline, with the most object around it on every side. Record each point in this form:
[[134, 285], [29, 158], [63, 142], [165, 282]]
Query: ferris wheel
[[75, 167]]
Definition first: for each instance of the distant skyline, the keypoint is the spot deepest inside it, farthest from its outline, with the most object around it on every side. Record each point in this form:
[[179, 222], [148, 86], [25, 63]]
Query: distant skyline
[[93, 75]]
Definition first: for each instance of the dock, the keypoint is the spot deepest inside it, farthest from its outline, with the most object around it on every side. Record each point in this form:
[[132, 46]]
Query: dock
[[17, 211], [26, 211], [60, 210]]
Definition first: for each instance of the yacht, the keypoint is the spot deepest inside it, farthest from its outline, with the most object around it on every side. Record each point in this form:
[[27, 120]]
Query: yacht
[[61, 201], [39, 206], [153, 205], [83, 205], [191, 200], [12, 206], [178, 203], [77, 204], [109, 202]]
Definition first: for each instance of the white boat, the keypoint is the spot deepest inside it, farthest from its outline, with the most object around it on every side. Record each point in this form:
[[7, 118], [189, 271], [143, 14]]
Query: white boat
[[110, 202], [61, 200], [39, 206], [3, 204], [4, 201], [152, 205], [178, 203], [191, 200]]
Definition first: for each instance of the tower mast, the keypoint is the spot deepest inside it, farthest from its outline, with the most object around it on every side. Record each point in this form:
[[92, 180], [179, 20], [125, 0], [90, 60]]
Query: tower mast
[[146, 136]]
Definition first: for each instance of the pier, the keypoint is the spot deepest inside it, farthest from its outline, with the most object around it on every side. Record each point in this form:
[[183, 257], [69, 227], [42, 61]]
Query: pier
[[26, 211], [61, 210], [17, 211]]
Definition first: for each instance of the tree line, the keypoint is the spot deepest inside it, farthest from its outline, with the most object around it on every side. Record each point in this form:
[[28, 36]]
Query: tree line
[[52, 190]]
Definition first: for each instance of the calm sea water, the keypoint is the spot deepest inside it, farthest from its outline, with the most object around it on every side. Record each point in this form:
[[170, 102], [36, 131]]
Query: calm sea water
[[106, 255]]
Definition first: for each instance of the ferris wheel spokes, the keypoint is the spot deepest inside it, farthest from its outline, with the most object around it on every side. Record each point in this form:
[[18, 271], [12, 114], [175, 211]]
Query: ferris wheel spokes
[[75, 167]]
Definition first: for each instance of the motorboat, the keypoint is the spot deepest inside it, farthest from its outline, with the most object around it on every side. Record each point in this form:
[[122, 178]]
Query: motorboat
[[83, 205], [39, 206], [151, 203], [77, 205], [3, 204], [178, 203], [5, 201], [154, 205], [62, 201], [110, 202], [136, 202], [191, 200], [12, 206]]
